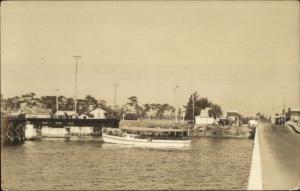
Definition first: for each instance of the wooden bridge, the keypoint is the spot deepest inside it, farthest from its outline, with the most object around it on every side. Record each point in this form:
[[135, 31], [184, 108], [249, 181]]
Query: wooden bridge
[[13, 128]]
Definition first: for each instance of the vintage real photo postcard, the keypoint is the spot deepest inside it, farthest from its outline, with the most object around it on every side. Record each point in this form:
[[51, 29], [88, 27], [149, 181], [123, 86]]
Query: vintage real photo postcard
[[150, 95]]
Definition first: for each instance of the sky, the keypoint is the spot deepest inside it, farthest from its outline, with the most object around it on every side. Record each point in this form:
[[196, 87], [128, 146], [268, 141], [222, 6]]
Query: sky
[[241, 55]]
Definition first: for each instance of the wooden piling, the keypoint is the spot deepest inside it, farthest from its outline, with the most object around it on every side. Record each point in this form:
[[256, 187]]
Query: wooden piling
[[12, 132]]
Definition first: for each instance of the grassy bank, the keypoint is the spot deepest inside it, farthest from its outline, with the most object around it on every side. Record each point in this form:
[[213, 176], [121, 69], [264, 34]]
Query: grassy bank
[[223, 131]]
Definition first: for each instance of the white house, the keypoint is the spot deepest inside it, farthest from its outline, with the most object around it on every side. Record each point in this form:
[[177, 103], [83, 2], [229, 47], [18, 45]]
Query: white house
[[203, 118], [98, 113], [233, 115]]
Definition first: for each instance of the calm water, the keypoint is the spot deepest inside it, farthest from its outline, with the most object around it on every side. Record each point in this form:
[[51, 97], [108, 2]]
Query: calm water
[[210, 163]]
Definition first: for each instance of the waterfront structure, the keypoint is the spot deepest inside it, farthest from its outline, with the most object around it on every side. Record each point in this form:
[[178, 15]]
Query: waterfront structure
[[147, 137], [293, 114], [204, 118], [55, 132], [76, 130], [30, 132], [233, 115], [13, 130], [252, 123], [96, 113]]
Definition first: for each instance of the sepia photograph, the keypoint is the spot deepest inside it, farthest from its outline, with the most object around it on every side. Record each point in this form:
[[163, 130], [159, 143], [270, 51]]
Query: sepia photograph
[[150, 95]]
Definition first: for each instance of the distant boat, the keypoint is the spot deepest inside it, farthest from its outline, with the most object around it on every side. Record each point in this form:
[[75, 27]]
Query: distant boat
[[147, 137]]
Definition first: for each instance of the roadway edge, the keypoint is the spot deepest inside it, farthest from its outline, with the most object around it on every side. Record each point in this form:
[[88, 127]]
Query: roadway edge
[[255, 177]]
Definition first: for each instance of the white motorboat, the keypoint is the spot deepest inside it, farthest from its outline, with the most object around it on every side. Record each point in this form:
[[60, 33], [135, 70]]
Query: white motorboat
[[147, 137]]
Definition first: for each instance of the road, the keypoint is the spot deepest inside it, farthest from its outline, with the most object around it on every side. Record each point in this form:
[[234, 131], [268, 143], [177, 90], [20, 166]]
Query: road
[[280, 156]]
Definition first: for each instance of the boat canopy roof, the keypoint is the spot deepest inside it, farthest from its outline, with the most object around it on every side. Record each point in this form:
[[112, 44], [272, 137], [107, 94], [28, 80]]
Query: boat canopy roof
[[148, 129]]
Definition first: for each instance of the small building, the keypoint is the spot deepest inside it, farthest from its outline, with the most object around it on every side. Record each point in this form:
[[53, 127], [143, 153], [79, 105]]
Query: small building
[[65, 114], [233, 115], [98, 113], [280, 119], [293, 114], [204, 118]]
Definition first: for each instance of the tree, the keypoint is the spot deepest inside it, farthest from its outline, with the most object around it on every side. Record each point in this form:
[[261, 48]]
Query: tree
[[82, 106], [147, 108], [133, 107], [29, 100], [260, 116], [215, 111], [13, 104], [199, 104], [49, 102], [133, 101], [68, 104], [91, 101]]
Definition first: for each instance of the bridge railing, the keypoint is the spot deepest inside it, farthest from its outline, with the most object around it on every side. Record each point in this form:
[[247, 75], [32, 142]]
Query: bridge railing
[[57, 122]]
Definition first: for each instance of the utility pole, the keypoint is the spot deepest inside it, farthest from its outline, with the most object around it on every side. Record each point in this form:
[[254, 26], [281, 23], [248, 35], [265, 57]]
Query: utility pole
[[194, 108], [75, 88], [176, 105], [283, 99], [56, 100], [115, 96]]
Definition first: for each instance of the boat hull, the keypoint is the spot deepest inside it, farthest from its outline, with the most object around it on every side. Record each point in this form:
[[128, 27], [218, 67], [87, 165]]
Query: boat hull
[[153, 143]]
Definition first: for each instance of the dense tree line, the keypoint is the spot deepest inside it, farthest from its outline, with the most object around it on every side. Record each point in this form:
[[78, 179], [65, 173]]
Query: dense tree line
[[132, 107], [148, 110], [29, 100]]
